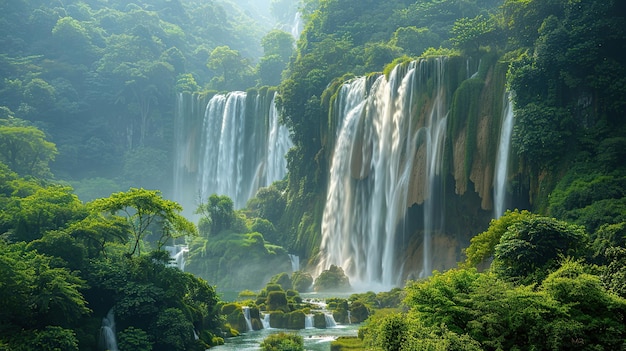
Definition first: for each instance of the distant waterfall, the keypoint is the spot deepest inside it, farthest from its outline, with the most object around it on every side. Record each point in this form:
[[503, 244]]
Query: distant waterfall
[[308, 321], [296, 27], [108, 341], [234, 147], [502, 161], [177, 255], [380, 138]]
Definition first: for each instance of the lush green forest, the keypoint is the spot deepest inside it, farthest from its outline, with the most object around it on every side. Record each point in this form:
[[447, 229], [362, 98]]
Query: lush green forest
[[87, 99]]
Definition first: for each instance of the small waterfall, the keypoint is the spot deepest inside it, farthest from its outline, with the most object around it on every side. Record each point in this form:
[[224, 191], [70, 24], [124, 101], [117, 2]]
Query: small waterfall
[[330, 320], [295, 262], [296, 27], [177, 255], [349, 317], [246, 315], [502, 160], [108, 341], [308, 321], [266, 321]]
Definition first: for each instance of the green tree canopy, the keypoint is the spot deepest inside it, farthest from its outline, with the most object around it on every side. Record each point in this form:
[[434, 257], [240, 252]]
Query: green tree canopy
[[26, 151], [144, 209]]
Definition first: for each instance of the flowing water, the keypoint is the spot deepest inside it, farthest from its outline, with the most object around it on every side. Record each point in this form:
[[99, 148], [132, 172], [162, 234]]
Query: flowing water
[[371, 170], [502, 160], [237, 147]]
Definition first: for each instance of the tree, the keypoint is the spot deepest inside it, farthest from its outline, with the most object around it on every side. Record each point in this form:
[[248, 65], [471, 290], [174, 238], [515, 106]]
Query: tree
[[50, 208], [278, 42], [531, 248], [482, 246], [233, 70], [218, 214], [470, 33], [26, 151], [143, 209]]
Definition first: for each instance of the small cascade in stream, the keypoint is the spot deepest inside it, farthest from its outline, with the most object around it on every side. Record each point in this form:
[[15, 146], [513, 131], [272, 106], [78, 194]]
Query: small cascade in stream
[[379, 139], [266, 321], [234, 146], [330, 320], [246, 315], [308, 321], [502, 161], [349, 317], [108, 341]]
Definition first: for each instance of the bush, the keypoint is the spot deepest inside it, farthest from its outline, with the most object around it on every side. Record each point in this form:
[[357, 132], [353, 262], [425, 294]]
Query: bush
[[283, 342]]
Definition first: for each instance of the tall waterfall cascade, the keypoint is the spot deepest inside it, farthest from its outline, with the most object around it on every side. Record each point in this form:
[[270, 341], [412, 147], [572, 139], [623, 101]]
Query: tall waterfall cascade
[[502, 161], [392, 152], [232, 146]]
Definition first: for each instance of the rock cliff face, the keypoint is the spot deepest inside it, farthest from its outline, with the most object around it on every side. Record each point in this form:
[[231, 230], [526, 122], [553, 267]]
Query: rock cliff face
[[412, 170]]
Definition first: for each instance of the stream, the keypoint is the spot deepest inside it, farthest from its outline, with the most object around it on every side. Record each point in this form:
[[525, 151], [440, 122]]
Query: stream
[[314, 339]]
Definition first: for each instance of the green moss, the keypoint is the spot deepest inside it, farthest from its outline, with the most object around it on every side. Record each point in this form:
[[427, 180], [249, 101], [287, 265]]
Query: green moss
[[347, 343]]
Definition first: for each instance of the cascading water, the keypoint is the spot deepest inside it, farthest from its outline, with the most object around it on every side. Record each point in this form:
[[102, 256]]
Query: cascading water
[[330, 320], [246, 315], [295, 262], [266, 321], [177, 255], [237, 146], [371, 169], [502, 161], [308, 321], [108, 341]]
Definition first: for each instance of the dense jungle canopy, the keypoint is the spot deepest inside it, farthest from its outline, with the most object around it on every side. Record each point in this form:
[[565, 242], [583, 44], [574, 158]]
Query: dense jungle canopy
[[88, 99]]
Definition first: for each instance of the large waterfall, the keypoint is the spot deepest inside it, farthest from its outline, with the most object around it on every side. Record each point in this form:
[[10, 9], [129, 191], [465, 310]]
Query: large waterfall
[[235, 147], [391, 155]]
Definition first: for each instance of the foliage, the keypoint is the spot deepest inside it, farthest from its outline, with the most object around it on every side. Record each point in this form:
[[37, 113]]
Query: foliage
[[25, 150], [218, 215], [482, 246], [142, 209], [532, 247], [133, 338], [283, 342]]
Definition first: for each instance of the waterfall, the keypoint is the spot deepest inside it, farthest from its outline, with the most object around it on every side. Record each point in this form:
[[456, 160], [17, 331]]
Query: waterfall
[[246, 315], [330, 320], [433, 134], [371, 168], [296, 27], [177, 255], [266, 321], [349, 317], [502, 160], [308, 321], [108, 341], [295, 262], [232, 148], [278, 145]]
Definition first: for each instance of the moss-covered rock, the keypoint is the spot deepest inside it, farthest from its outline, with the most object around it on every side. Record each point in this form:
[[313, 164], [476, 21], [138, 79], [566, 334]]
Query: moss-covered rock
[[358, 312], [319, 320], [283, 280], [296, 320], [277, 301], [301, 281], [278, 320], [332, 279]]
